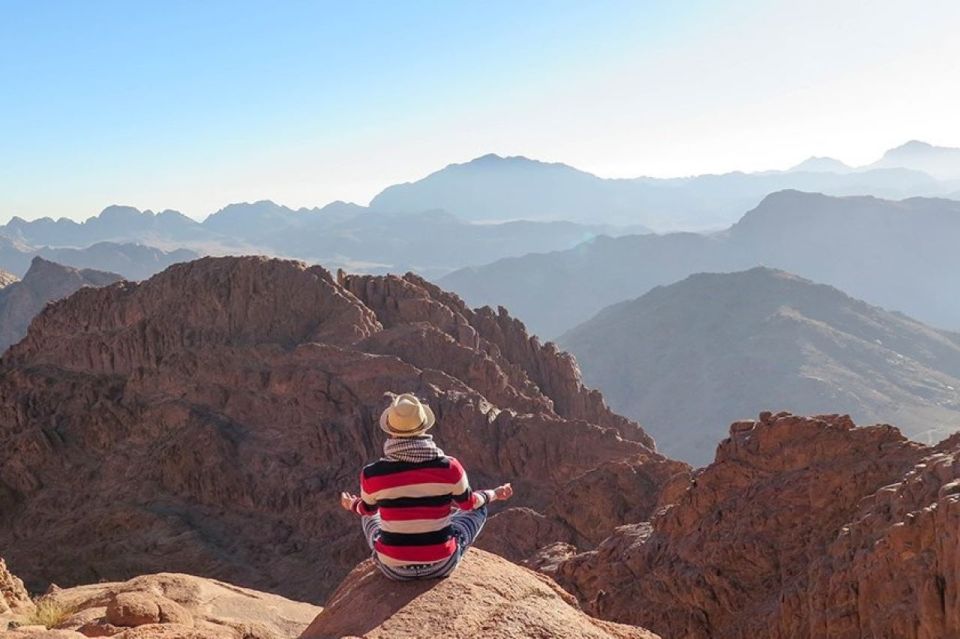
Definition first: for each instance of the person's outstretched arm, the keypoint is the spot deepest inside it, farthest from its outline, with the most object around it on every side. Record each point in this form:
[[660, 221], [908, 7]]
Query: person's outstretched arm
[[468, 499], [349, 501], [364, 505]]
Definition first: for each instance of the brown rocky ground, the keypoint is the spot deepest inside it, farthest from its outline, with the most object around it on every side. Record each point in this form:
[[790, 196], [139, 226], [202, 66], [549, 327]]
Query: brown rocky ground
[[167, 605], [205, 421], [801, 528], [485, 597]]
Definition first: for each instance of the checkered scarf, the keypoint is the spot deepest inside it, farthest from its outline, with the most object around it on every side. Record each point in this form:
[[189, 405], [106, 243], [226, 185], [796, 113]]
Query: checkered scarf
[[411, 449]]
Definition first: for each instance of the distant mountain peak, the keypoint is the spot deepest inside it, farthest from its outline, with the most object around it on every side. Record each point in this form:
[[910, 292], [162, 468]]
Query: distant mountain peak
[[342, 206], [791, 195], [488, 158], [39, 265], [117, 211], [913, 145], [717, 346], [258, 204], [821, 164], [941, 162], [494, 160]]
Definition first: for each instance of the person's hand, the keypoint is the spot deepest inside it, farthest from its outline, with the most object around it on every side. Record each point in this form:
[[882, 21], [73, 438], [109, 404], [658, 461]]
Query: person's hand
[[503, 492], [346, 500]]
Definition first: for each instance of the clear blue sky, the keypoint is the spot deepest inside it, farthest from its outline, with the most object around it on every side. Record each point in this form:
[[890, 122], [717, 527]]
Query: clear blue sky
[[192, 105]]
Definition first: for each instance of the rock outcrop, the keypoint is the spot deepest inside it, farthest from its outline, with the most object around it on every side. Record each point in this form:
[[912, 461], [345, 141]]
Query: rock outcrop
[[169, 605], [485, 597], [206, 420], [14, 598], [45, 282], [802, 528]]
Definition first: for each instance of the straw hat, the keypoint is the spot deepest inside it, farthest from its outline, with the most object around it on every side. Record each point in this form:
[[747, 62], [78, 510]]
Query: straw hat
[[406, 417]]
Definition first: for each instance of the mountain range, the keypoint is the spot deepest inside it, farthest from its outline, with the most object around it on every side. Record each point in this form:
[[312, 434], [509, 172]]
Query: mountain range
[[897, 254], [495, 189], [714, 348], [502, 188], [339, 235], [206, 420]]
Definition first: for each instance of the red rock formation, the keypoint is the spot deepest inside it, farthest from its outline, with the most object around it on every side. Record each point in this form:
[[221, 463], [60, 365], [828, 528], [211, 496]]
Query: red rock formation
[[801, 528], [44, 282], [205, 421], [486, 597], [537, 372]]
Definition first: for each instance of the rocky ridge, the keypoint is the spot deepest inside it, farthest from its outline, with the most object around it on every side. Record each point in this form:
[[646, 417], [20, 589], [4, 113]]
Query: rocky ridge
[[801, 528], [46, 281], [205, 420]]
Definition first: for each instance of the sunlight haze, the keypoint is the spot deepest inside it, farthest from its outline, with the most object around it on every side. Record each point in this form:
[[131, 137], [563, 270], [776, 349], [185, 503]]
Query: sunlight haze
[[115, 103]]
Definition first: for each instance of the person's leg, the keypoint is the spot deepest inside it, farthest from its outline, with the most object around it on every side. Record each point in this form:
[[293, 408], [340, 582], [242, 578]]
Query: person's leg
[[371, 528], [467, 524]]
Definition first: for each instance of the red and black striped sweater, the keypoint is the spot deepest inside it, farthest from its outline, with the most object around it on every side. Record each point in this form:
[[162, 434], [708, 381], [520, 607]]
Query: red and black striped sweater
[[415, 501]]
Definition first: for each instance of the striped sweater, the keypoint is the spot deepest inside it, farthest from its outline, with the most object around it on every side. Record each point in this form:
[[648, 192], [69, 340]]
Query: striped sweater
[[415, 501]]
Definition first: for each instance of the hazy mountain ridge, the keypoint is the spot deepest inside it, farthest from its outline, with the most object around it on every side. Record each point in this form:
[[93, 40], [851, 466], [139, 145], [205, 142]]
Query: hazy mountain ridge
[[685, 359], [865, 246], [938, 161], [492, 187], [339, 234], [822, 164], [132, 261], [114, 223]]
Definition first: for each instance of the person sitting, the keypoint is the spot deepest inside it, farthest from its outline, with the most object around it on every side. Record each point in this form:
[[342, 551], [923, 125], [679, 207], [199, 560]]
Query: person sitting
[[418, 512]]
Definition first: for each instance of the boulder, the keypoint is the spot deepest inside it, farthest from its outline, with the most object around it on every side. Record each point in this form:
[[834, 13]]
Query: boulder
[[177, 605], [486, 596]]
